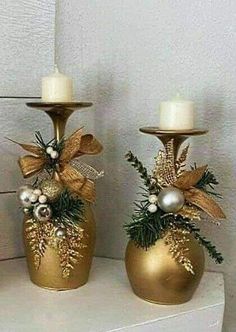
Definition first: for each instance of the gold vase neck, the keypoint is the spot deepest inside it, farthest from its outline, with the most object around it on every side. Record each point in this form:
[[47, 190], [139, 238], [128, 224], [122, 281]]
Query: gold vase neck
[[59, 113], [59, 119], [177, 142], [178, 136]]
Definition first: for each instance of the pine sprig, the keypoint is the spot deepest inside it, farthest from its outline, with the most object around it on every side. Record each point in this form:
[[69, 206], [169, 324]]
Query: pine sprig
[[54, 143], [146, 228], [137, 164], [51, 164], [68, 209], [208, 180], [212, 251]]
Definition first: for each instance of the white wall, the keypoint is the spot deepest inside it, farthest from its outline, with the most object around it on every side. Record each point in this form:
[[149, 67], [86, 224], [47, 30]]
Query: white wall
[[127, 56], [26, 54]]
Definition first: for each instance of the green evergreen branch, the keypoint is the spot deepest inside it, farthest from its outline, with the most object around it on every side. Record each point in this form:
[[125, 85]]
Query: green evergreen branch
[[212, 251], [137, 164], [208, 180], [146, 228], [54, 143], [51, 164], [68, 209]]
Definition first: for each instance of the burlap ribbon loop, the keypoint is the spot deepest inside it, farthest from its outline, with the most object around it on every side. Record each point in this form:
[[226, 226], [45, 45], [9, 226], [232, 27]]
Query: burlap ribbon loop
[[75, 146]]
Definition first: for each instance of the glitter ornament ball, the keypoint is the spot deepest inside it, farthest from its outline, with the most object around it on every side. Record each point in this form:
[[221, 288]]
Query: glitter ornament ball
[[42, 212], [171, 199], [152, 199], [152, 208], [24, 194], [52, 189]]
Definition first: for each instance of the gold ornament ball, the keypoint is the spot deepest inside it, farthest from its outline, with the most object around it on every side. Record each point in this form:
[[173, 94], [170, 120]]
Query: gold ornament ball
[[52, 189]]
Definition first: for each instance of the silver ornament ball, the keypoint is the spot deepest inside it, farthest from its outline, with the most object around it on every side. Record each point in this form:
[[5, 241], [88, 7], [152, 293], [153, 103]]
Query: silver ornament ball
[[171, 199], [24, 194], [42, 212], [60, 232]]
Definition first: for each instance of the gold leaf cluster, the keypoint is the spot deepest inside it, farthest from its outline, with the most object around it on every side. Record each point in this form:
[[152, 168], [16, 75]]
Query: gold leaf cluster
[[69, 249], [41, 235], [190, 212], [177, 240], [164, 171], [36, 240]]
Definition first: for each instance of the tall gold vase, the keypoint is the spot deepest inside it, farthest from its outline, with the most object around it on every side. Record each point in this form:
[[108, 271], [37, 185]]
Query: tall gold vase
[[49, 273], [153, 274]]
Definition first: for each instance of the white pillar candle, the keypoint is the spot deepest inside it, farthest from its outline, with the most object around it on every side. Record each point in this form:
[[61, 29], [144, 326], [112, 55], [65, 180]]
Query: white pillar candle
[[177, 114], [57, 88]]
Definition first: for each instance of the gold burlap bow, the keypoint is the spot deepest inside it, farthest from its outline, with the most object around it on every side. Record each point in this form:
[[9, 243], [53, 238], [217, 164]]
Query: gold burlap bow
[[187, 181], [75, 146]]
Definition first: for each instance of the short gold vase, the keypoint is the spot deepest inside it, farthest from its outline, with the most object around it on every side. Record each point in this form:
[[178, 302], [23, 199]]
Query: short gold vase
[[156, 277], [154, 274], [49, 274]]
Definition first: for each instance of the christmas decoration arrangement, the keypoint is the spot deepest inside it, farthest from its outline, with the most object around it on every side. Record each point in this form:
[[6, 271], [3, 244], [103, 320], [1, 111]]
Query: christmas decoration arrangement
[[164, 257], [173, 203], [54, 204]]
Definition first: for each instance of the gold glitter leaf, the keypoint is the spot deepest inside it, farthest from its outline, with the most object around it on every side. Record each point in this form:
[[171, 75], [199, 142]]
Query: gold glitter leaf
[[164, 170], [69, 249], [190, 212], [177, 241], [36, 240], [180, 162]]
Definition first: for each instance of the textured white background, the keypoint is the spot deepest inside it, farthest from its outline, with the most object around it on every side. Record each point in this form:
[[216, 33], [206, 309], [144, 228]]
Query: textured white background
[[125, 56]]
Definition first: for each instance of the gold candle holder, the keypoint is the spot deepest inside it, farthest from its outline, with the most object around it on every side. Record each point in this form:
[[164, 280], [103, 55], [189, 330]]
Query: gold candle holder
[[49, 274], [59, 113], [153, 273]]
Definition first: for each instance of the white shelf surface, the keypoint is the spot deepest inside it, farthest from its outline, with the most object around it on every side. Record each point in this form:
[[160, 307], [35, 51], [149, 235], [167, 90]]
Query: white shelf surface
[[105, 303]]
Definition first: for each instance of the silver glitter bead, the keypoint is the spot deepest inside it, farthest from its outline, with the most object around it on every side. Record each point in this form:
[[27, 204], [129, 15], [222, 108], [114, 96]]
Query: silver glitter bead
[[171, 199], [42, 212]]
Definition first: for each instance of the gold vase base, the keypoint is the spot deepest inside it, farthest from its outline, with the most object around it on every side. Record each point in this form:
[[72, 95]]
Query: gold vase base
[[58, 289], [155, 276], [160, 302]]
